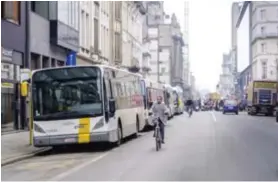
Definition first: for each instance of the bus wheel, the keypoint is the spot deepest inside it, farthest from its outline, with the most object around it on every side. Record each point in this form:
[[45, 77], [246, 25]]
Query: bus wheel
[[120, 135], [137, 127]]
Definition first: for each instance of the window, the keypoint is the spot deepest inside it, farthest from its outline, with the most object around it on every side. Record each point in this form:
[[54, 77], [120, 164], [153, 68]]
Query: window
[[82, 30], [264, 69], [262, 14], [7, 71], [96, 35], [87, 26], [255, 49], [11, 11], [73, 14], [60, 63], [262, 30], [263, 47], [117, 47], [42, 8], [96, 9], [162, 70], [118, 11]]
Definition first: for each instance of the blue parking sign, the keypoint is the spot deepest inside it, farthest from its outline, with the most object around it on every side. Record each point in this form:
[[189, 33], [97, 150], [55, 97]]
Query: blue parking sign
[[71, 59]]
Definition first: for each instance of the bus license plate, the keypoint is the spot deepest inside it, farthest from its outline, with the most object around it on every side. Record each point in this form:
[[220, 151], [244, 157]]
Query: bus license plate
[[69, 140]]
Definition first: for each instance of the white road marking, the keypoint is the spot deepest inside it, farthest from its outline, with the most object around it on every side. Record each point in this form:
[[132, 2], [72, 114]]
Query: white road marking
[[213, 116], [77, 168]]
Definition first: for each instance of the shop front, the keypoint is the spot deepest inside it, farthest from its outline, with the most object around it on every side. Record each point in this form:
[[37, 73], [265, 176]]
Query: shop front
[[11, 61]]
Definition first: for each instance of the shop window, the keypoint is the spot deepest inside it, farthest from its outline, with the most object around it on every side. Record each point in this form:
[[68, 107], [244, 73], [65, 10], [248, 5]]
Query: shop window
[[41, 8], [60, 63], [45, 62], [7, 71], [6, 108], [53, 63], [11, 11], [35, 61]]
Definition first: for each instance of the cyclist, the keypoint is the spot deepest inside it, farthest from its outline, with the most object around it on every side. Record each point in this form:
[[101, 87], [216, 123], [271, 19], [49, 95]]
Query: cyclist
[[189, 104], [160, 110]]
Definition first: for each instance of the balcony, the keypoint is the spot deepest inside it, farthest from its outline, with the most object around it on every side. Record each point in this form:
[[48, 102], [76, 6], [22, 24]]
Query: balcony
[[146, 68], [146, 50], [259, 36], [135, 66], [141, 6]]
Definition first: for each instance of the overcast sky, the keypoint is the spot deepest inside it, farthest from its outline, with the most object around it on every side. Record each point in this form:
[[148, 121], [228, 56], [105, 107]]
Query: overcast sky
[[209, 36]]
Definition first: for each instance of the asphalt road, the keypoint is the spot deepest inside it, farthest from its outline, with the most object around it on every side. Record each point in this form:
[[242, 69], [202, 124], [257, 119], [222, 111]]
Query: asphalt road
[[208, 146]]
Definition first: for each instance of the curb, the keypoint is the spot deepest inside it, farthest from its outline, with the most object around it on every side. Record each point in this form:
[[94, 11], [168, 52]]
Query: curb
[[12, 132], [22, 157]]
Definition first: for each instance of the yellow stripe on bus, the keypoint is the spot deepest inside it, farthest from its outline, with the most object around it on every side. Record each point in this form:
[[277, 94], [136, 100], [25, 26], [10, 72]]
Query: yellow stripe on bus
[[84, 130]]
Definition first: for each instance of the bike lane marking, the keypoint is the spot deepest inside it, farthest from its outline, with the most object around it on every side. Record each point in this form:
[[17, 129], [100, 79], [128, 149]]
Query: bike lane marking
[[77, 168], [213, 116]]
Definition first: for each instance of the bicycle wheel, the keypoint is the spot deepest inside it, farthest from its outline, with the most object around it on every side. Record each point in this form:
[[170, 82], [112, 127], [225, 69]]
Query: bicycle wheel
[[157, 139]]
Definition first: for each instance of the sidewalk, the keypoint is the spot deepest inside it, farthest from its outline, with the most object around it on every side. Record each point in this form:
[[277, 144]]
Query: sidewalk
[[15, 147]]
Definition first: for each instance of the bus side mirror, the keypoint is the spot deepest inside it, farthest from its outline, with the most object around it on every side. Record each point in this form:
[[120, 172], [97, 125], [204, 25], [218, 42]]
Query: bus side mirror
[[112, 106], [24, 89]]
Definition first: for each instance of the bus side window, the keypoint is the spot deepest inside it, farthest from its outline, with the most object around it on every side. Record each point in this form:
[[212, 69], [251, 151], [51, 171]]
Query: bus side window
[[106, 109]]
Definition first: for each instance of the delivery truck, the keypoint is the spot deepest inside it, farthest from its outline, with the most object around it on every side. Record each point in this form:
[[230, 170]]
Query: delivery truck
[[262, 97]]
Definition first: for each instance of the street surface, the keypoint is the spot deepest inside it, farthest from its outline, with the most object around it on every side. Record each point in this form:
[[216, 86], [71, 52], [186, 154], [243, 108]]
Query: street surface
[[208, 146]]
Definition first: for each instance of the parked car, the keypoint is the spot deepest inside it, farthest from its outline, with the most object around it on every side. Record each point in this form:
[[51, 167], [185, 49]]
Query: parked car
[[230, 106]]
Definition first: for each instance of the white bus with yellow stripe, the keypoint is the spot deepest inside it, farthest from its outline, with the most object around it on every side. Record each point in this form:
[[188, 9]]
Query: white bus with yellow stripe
[[151, 91], [84, 104]]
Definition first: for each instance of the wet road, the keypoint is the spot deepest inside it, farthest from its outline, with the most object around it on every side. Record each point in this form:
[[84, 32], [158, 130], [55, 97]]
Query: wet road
[[208, 146]]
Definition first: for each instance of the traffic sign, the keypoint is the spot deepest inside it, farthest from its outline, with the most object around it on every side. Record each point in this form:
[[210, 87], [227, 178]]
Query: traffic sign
[[71, 59]]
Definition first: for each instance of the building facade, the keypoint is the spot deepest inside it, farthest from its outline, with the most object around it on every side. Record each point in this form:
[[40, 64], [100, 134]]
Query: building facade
[[234, 14], [54, 27], [154, 18], [186, 64], [244, 79], [94, 18], [263, 44], [132, 23], [165, 52], [226, 84], [264, 40], [13, 56], [115, 25], [177, 63], [146, 57]]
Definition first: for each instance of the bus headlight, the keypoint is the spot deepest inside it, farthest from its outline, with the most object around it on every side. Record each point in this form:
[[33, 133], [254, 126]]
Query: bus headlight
[[99, 124], [38, 129]]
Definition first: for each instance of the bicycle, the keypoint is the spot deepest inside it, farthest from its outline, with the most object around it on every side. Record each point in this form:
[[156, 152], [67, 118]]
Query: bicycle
[[157, 135], [190, 111]]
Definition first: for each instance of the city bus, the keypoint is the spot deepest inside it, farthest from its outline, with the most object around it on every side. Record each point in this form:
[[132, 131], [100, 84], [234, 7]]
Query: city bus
[[170, 99], [178, 95], [151, 91], [85, 104]]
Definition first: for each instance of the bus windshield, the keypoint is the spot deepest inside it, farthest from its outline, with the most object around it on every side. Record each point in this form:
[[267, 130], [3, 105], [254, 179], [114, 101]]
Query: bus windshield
[[67, 93]]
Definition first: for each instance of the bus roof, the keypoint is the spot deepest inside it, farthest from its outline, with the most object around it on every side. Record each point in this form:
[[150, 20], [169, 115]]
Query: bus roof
[[95, 65]]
